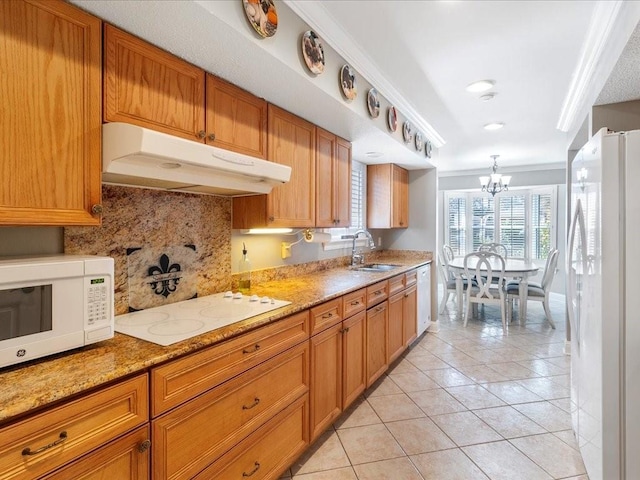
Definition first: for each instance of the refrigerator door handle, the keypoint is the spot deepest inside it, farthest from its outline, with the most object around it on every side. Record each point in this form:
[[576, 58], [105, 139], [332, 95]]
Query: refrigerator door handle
[[577, 222]]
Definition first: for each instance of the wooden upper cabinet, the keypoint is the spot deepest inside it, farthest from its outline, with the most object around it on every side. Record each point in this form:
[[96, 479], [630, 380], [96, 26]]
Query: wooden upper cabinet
[[291, 141], [387, 196], [150, 87], [236, 119], [333, 180], [50, 120]]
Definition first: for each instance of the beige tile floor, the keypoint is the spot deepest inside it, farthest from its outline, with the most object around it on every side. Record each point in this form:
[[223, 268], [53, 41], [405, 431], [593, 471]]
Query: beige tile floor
[[465, 403]]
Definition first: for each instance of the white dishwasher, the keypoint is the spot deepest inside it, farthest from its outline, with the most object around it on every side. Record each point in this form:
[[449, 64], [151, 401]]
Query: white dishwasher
[[424, 298]]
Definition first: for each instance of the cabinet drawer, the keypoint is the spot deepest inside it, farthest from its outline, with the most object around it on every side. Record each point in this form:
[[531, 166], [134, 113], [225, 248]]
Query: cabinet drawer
[[377, 292], [77, 426], [269, 450], [396, 284], [182, 447], [410, 278], [183, 379], [354, 302], [326, 315], [125, 458]]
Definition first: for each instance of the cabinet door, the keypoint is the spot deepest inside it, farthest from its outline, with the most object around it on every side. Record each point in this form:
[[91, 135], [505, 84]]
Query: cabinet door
[[292, 141], [236, 120], [342, 176], [395, 335], [325, 156], [147, 86], [50, 121], [400, 198], [125, 459], [354, 358], [377, 318], [410, 315], [326, 379]]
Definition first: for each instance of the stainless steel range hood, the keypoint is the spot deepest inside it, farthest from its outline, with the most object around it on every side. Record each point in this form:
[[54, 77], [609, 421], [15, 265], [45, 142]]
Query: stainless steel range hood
[[137, 156]]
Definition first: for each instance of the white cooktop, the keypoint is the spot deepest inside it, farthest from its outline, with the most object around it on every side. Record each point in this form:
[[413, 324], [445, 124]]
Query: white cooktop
[[181, 320]]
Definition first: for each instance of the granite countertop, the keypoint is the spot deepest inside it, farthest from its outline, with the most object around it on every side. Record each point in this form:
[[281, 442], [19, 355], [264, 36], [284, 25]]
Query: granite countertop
[[33, 385]]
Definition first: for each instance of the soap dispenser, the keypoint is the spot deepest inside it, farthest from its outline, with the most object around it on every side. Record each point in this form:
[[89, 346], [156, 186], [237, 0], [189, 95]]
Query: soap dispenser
[[244, 271]]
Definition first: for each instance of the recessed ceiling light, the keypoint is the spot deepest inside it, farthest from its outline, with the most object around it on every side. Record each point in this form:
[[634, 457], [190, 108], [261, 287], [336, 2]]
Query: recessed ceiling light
[[480, 86], [374, 154], [487, 96], [494, 126]]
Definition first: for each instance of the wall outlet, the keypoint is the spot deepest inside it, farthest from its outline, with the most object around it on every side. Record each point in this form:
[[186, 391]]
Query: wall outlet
[[285, 250]]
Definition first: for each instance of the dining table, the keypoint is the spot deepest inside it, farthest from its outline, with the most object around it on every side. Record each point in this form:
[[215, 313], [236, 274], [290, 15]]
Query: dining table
[[515, 268]]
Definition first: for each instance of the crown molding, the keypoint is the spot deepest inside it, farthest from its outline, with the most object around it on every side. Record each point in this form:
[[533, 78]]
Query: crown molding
[[318, 18], [511, 170], [611, 25]]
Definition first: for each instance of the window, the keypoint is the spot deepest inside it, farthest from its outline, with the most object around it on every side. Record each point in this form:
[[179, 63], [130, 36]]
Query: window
[[522, 220], [358, 209]]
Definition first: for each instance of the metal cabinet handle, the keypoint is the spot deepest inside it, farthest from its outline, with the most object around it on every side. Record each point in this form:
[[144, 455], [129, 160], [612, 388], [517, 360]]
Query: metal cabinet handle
[[256, 467], [378, 292], [255, 403], [328, 315], [344, 330], [62, 438], [211, 137], [255, 349], [201, 134], [355, 303]]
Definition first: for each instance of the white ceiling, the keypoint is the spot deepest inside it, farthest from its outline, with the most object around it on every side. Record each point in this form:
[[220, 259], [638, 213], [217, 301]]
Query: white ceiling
[[420, 55]]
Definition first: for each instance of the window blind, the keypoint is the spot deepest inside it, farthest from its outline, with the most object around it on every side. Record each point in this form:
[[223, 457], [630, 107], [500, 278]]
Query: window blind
[[482, 221], [541, 211], [512, 225], [457, 238]]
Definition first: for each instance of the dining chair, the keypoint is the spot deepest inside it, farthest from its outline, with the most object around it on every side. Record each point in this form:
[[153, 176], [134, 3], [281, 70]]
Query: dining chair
[[488, 285], [449, 286], [536, 291], [495, 248]]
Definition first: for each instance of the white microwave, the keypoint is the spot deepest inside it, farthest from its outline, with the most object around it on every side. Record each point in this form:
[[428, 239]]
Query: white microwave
[[50, 304]]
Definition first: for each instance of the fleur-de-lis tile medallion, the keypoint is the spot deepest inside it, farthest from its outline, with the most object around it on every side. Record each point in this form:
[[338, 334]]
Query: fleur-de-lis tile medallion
[[165, 276]]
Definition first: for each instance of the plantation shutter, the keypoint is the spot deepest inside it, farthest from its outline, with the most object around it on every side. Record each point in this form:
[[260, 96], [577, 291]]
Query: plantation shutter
[[541, 221], [456, 237], [482, 221], [512, 224], [357, 195]]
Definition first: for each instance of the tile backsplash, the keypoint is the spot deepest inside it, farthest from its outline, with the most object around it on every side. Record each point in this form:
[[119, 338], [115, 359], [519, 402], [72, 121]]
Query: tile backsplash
[[167, 246]]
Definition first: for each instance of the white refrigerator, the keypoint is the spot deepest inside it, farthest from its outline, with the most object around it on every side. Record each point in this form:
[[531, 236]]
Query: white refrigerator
[[603, 296]]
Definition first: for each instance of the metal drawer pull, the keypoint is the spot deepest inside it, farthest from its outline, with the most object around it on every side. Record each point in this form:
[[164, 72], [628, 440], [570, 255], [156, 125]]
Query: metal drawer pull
[[255, 349], [28, 451], [344, 330], [356, 303], [256, 401], [378, 292], [256, 467], [144, 446], [328, 315]]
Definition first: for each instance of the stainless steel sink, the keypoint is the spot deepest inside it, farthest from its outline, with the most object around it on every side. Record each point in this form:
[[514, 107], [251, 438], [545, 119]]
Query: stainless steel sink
[[375, 267]]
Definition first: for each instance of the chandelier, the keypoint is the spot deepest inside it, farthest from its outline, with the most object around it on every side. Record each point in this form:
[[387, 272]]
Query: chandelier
[[495, 182]]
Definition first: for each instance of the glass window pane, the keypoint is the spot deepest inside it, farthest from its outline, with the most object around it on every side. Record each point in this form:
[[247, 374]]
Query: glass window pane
[[540, 225]]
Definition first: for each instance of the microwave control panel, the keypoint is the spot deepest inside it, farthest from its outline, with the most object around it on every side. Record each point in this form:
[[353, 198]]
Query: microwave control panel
[[98, 300]]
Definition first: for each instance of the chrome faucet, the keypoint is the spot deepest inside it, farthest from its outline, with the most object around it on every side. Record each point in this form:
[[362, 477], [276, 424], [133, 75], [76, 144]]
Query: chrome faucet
[[358, 258]]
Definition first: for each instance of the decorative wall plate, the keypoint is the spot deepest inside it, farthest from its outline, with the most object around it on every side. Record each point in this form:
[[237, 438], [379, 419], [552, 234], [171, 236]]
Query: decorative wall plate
[[427, 149], [262, 16], [419, 141], [407, 131], [348, 82], [392, 119], [373, 104], [313, 52]]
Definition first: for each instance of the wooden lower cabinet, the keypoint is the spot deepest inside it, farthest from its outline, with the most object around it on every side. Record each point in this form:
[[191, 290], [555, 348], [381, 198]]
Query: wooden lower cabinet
[[354, 358], [410, 315], [65, 433], [267, 452], [377, 319], [395, 334], [326, 379], [189, 438], [126, 458]]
